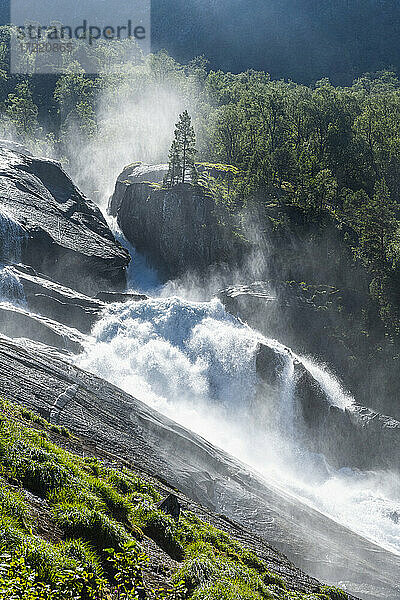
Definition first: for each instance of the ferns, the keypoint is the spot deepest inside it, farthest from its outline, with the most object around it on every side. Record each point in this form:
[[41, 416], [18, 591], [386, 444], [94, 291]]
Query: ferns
[[117, 505]]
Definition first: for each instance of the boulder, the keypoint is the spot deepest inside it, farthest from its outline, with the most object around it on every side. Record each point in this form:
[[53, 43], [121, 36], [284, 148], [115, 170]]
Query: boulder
[[269, 364], [64, 235], [15, 146], [170, 506], [137, 172], [179, 229], [353, 437], [16, 322]]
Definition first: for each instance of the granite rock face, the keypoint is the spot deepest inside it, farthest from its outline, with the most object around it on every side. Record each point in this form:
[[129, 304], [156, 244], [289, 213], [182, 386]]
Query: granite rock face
[[58, 231], [179, 229], [16, 322], [135, 173], [57, 302]]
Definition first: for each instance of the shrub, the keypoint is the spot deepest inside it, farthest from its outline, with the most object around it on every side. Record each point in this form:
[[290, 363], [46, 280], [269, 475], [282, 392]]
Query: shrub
[[17, 580], [42, 478], [83, 554], [197, 571], [161, 528], [91, 525], [226, 589], [116, 504], [93, 466], [20, 580], [36, 469], [12, 505], [121, 482], [10, 534], [128, 568], [45, 559], [142, 487]]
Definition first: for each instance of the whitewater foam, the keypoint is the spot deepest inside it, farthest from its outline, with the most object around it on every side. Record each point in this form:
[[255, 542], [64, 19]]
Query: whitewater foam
[[11, 240], [196, 364], [11, 288]]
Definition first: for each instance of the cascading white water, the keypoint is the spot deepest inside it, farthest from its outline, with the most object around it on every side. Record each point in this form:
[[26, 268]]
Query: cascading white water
[[141, 276], [11, 240], [196, 364], [11, 289]]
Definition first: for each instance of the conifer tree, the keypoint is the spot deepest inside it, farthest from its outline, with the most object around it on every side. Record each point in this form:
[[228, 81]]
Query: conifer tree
[[174, 174], [182, 166]]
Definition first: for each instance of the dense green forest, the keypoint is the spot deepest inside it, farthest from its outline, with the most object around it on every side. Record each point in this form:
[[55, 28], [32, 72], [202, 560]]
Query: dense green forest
[[319, 165]]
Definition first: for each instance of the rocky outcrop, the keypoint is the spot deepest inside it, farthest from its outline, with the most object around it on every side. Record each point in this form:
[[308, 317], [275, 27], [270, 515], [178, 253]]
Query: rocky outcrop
[[170, 506], [110, 297], [269, 364], [15, 322], [135, 173], [353, 437], [59, 303], [120, 428], [61, 233], [289, 311], [179, 229], [15, 146]]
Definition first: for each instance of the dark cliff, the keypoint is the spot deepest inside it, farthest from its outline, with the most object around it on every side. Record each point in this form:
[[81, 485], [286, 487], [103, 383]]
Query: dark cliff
[[182, 228], [59, 232]]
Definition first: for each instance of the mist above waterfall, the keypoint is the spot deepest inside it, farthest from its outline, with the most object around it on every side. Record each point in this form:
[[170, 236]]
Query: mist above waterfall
[[136, 111]]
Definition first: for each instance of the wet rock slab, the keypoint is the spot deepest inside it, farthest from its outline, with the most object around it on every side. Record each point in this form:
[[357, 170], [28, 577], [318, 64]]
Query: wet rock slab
[[65, 234], [263, 515]]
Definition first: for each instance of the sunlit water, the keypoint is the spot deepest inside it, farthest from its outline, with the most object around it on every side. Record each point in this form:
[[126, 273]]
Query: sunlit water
[[196, 364], [11, 241]]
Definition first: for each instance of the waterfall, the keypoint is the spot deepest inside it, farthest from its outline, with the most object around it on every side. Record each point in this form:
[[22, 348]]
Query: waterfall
[[288, 414], [12, 236], [196, 364], [11, 289], [11, 241], [141, 277], [329, 383]]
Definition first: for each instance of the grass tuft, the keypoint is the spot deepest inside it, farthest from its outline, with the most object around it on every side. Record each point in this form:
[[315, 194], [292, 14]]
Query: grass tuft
[[79, 521]]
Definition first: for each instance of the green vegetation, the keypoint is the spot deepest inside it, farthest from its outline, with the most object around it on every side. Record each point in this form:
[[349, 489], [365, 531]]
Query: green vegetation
[[100, 518]]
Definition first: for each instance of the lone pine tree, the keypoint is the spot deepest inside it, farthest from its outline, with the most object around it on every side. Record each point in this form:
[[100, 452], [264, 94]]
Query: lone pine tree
[[182, 153]]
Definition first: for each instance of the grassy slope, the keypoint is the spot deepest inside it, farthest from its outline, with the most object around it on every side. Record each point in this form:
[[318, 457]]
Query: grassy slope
[[61, 512]]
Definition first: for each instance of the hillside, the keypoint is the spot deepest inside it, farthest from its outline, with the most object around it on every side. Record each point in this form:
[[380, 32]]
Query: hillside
[[63, 507], [183, 393]]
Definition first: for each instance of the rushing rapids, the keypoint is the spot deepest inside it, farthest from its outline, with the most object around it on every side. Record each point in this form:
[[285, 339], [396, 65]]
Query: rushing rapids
[[196, 364], [11, 240]]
